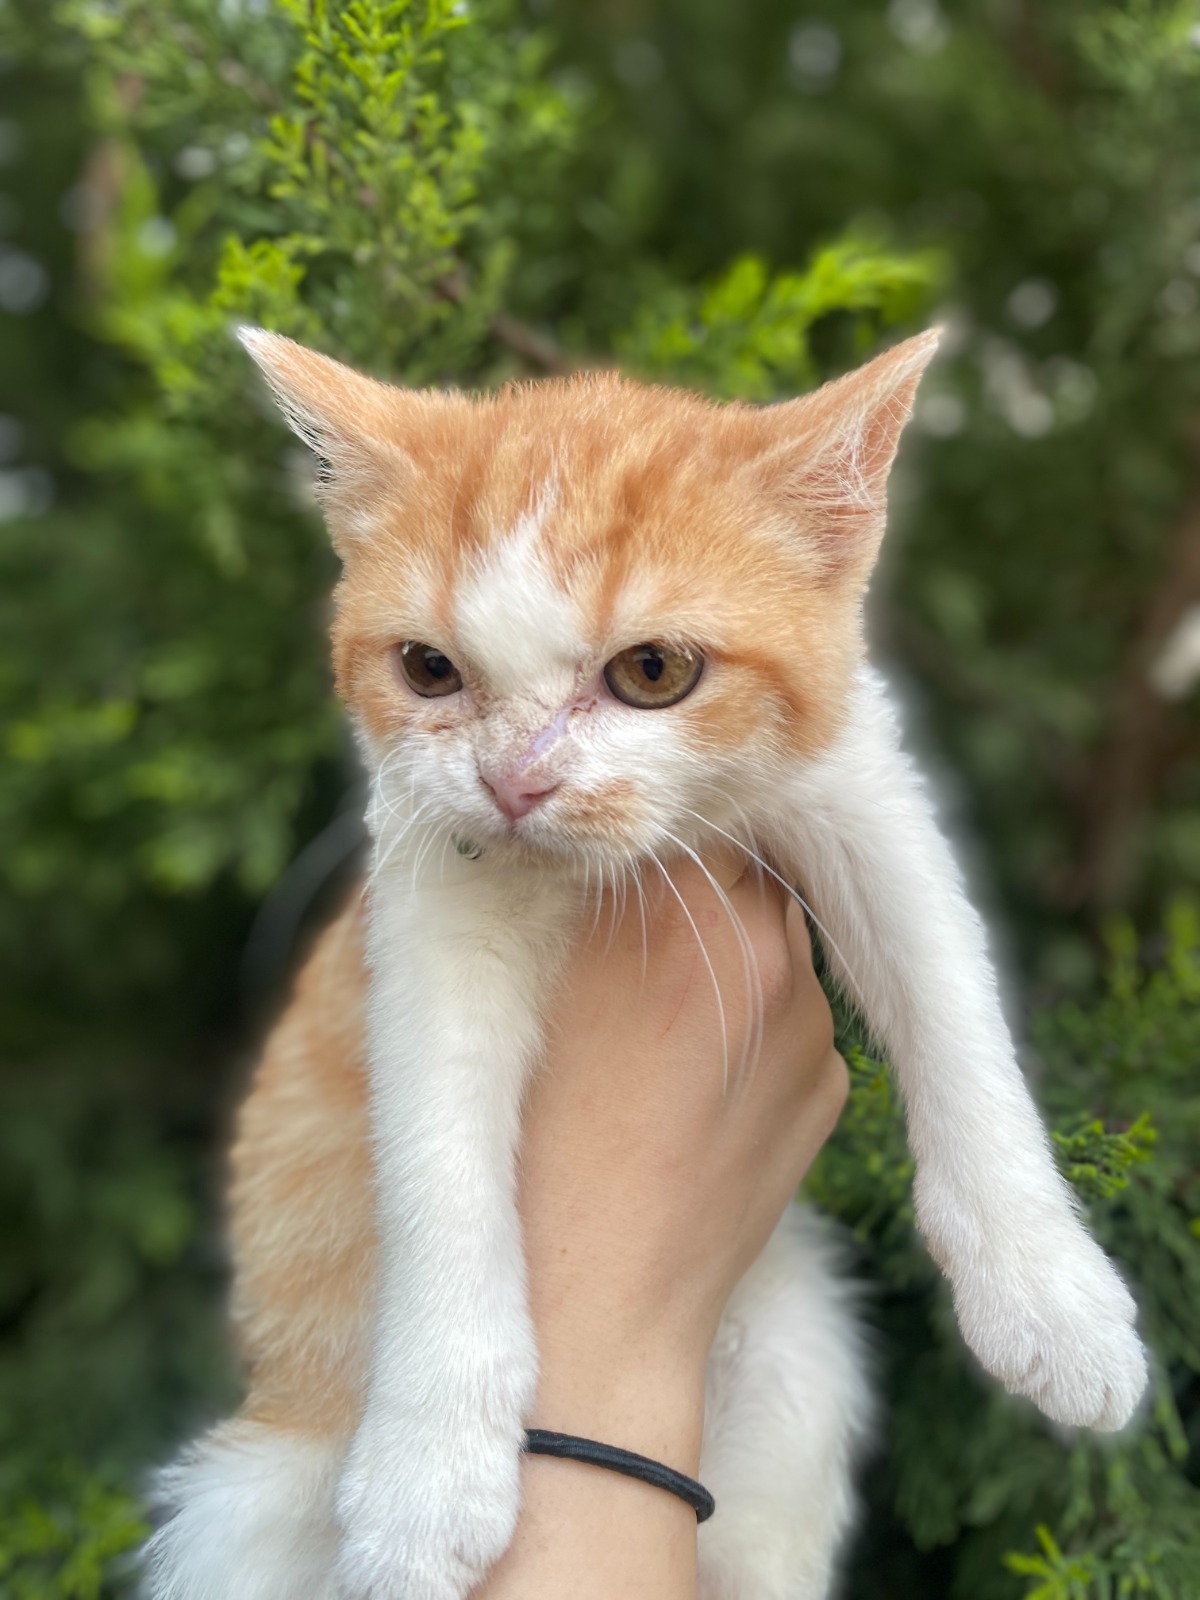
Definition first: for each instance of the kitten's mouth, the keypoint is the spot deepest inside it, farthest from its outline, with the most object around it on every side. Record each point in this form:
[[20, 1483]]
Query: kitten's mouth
[[540, 842], [554, 822], [508, 836]]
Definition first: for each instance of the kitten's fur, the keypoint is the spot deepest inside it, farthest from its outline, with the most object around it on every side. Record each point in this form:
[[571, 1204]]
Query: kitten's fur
[[530, 536]]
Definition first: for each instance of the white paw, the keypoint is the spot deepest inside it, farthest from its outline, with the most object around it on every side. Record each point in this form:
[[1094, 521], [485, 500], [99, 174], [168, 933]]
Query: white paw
[[425, 1510], [1053, 1321]]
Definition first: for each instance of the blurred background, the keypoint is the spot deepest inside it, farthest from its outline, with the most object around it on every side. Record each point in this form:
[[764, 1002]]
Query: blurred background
[[741, 197]]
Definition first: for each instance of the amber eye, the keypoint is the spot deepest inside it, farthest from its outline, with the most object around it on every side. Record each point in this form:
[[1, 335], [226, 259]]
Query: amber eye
[[428, 670], [652, 675]]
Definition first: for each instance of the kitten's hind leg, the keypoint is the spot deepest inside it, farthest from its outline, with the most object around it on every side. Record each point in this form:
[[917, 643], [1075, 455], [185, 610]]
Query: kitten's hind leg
[[788, 1406], [247, 1514]]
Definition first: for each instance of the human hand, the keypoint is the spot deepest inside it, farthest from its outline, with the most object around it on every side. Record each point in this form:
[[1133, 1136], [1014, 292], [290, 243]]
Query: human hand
[[651, 1177], [658, 1155]]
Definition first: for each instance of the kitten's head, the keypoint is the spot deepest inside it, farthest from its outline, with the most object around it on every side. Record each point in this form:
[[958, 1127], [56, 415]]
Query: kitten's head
[[579, 616]]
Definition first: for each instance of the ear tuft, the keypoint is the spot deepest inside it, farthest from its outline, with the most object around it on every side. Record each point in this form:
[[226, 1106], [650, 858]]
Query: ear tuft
[[353, 424], [254, 339]]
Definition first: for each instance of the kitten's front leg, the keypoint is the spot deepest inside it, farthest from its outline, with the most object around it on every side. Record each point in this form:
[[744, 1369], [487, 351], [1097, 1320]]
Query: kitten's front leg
[[428, 1497], [1037, 1299]]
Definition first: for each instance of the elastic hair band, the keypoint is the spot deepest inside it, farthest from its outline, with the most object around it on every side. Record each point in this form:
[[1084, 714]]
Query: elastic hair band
[[538, 1442]]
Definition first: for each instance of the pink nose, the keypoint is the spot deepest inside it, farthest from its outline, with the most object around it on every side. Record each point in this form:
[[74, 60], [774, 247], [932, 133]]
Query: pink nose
[[516, 796]]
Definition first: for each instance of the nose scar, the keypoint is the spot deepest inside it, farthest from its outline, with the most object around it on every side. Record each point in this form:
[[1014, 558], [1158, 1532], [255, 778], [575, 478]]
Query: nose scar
[[541, 742]]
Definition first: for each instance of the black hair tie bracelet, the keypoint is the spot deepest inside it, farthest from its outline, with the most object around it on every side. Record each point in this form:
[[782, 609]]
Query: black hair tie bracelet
[[538, 1442]]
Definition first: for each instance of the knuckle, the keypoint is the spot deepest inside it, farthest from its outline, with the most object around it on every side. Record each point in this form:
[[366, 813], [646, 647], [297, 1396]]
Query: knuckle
[[830, 1095], [776, 977], [837, 1078], [825, 1036]]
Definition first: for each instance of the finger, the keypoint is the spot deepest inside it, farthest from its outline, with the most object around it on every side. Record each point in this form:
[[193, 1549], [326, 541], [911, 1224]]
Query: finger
[[701, 894], [760, 899], [825, 1098], [806, 1016], [665, 909], [724, 865], [710, 895], [799, 939]]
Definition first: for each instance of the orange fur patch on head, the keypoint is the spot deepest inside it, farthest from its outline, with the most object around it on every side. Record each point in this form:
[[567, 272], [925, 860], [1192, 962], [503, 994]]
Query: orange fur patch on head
[[749, 532]]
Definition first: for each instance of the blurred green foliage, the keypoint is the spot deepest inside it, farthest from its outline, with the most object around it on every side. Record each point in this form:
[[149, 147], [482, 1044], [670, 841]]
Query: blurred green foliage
[[747, 335], [745, 199]]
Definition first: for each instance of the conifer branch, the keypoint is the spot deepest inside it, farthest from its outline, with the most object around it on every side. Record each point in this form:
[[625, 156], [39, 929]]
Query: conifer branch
[[534, 347]]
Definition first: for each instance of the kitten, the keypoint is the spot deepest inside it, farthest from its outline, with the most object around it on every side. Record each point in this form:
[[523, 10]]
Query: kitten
[[586, 627]]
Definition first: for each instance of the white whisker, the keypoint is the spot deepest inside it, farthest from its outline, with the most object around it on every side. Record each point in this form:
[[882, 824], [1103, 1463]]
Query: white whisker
[[707, 962], [407, 825], [432, 833], [616, 908], [442, 857], [637, 884], [752, 1039], [599, 898], [795, 894]]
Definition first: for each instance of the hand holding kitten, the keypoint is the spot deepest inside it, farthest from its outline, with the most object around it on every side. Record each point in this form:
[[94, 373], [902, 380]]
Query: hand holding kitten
[[647, 1188], [649, 1182]]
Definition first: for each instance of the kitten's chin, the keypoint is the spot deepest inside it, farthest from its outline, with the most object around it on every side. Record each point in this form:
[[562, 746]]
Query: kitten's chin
[[578, 831], [538, 844]]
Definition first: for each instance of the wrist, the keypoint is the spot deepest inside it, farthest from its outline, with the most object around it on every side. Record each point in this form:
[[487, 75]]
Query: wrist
[[640, 1394]]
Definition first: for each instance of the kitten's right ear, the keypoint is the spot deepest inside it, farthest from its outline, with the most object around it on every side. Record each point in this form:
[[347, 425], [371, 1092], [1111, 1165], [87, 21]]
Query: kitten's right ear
[[354, 425]]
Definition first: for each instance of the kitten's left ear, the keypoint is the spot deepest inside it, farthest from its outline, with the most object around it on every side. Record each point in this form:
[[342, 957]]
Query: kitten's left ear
[[825, 458], [356, 426]]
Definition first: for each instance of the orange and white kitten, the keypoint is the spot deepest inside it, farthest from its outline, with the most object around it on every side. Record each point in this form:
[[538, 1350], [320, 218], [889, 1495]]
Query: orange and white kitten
[[586, 627]]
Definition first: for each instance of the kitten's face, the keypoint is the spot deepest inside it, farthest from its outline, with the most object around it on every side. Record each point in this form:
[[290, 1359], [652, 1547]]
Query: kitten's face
[[584, 618]]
